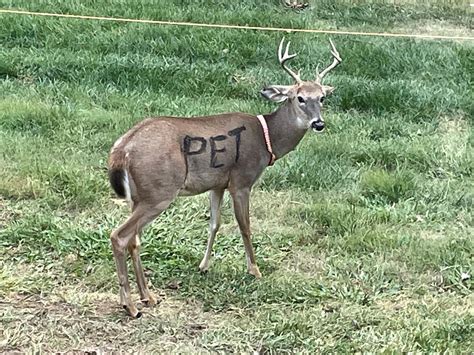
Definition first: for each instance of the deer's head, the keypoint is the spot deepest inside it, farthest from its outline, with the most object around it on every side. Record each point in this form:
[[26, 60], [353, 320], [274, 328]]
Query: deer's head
[[305, 98]]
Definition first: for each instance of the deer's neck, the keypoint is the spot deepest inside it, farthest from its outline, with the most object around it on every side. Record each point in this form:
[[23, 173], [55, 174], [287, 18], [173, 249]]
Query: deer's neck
[[285, 130]]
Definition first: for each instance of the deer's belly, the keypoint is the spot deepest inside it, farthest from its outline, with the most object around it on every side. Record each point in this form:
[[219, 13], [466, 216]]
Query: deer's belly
[[202, 177]]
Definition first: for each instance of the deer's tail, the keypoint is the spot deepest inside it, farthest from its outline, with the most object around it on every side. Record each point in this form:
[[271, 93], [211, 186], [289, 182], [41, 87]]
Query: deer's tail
[[118, 174]]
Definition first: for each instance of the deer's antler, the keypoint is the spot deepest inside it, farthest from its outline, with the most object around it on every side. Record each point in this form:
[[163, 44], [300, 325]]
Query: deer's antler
[[284, 58], [337, 60]]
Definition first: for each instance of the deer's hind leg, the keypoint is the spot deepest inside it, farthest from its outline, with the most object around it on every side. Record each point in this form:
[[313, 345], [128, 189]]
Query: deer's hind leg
[[126, 237], [145, 295]]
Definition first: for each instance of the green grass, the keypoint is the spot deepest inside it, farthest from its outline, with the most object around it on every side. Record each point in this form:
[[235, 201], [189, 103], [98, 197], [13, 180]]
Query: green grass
[[363, 235]]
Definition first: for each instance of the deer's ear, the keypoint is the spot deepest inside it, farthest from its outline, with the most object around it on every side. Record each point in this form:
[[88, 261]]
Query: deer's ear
[[328, 89], [276, 93]]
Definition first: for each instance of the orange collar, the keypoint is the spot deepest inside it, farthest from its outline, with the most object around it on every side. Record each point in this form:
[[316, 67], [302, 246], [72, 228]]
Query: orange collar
[[266, 134]]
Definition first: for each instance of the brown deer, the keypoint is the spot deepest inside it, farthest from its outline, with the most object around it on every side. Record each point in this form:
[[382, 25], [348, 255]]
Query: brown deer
[[165, 157]]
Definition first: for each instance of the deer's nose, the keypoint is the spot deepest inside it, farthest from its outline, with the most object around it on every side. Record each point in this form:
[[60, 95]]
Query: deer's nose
[[317, 125]]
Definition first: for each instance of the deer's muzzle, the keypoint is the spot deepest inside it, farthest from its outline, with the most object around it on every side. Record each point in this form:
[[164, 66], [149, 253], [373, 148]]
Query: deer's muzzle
[[317, 126]]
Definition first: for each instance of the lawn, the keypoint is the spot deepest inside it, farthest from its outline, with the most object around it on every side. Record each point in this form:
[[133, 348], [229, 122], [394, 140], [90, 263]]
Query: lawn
[[363, 234]]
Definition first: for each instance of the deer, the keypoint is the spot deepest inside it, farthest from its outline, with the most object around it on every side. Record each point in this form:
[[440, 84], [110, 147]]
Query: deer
[[165, 157]]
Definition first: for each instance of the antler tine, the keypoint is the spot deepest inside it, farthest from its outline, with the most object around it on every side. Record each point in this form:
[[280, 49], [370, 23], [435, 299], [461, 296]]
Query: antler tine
[[285, 57], [337, 60]]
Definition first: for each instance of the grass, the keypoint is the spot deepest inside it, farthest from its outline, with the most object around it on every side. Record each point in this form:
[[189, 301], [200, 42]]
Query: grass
[[363, 235]]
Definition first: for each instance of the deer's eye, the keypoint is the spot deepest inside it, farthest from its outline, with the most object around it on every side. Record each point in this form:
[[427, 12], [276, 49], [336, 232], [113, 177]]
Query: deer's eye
[[301, 99], [322, 99]]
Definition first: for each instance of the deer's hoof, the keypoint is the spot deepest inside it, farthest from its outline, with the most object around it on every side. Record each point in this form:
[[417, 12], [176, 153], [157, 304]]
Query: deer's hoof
[[203, 268], [253, 270], [150, 302], [132, 311]]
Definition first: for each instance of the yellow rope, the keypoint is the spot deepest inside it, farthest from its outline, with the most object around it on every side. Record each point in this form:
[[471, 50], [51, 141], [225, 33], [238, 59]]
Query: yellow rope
[[209, 25]]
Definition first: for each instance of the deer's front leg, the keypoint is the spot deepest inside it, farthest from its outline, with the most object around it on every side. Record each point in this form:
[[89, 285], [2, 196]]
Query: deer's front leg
[[241, 209], [215, 197]]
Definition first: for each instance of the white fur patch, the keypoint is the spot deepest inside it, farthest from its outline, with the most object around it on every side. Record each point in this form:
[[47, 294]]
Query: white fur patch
[[126, 184], [301, 123], [117, 143]]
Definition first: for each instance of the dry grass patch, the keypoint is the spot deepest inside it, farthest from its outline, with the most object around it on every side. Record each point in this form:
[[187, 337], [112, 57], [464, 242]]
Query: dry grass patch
[[455, 305], [269, 211], [454, 133], [45, 309], [435, 28], [7, 212], [77, 319], [304, 263]]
